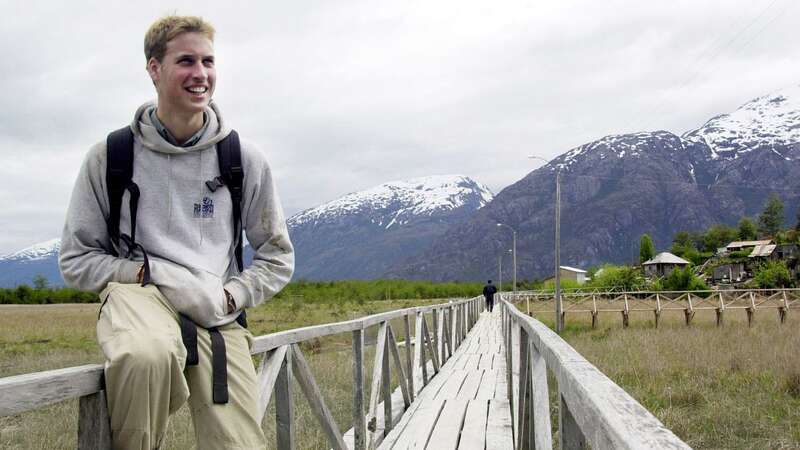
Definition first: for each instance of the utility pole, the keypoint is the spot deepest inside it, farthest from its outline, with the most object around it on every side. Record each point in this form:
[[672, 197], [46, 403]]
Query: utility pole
[[513, 250], [500, 273], [559, 321]]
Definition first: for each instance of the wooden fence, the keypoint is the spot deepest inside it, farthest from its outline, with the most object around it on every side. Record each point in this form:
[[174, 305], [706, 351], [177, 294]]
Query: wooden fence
[[685, 302], [282, 362], [593, 410]]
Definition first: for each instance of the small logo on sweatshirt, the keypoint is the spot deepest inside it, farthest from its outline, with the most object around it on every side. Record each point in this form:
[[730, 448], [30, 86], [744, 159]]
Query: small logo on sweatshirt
[[204, 209]]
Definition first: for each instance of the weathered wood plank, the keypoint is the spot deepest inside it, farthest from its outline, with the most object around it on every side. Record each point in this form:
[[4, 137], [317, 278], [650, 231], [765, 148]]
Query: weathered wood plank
[[409, 358], [471, 385], [473, 433], [359, 441], [30, 391], [267, 376], [540, 401], [386, 386], [446, 432], [403, 380], [268, 342], [570, 435], [417, 431], [486, 390], [499, 431], [284, 404], [431, 348], [94, 426], [377, 371], [450, 390], [314, 396]]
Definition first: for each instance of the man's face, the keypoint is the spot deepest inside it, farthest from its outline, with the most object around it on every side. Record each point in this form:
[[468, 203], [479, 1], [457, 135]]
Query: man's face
[[185, 77]]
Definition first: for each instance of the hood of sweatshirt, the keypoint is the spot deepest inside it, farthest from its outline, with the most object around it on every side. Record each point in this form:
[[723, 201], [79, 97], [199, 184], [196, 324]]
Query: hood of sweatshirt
[[144, 129]]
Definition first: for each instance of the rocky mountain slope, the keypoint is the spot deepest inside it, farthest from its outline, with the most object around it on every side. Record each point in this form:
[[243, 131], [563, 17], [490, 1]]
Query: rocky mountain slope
[[22, 266], [361, 235], [619, 187]]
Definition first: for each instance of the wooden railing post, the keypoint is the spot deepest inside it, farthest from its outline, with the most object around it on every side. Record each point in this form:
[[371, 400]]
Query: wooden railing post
[[386, 386], [284, 404], [523, 393], [94, 428], [377, 376], [509, 362], [409, 360], [419, 351], [436, 342], [540, 401], [570, 435], [359, 421]]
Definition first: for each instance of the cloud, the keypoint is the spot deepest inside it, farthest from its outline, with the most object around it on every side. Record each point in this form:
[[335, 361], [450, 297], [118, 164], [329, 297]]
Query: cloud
[[349, 94]]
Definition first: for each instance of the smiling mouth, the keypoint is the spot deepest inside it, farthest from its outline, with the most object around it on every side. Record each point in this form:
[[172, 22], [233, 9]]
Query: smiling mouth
[[197, 89]]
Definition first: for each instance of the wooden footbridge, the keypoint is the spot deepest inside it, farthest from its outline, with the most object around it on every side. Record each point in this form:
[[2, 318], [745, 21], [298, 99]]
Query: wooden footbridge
[[474, 380]]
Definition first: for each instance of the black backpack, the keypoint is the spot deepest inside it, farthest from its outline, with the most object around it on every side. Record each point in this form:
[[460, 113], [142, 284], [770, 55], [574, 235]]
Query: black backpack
[[119, 178]]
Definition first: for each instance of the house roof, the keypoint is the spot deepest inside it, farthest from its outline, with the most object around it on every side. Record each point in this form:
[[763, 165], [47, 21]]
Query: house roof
[[742, 244], [666, 258], [572, 269], [762, 250]]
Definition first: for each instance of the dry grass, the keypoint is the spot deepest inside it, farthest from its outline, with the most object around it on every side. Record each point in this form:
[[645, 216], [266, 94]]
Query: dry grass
[[44, 337], [734, 387]]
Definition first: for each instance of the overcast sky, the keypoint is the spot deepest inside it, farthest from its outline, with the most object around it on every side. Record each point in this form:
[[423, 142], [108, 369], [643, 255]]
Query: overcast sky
[[343, 95]]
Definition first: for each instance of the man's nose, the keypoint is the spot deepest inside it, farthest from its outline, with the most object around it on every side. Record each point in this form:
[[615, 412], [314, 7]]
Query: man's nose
[[199, 71]]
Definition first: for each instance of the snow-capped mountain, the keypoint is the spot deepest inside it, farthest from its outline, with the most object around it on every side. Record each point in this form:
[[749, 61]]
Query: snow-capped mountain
[[399, 202], [22, 266], [619, 187], [771, 121], [42, 250], [361, 234]]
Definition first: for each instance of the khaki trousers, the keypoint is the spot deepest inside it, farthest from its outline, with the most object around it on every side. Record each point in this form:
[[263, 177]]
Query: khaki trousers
[[139, 332]]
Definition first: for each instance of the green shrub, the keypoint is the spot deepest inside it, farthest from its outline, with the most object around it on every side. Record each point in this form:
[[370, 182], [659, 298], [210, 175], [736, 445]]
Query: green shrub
[[683, 280], [618, 278], [773, 274]]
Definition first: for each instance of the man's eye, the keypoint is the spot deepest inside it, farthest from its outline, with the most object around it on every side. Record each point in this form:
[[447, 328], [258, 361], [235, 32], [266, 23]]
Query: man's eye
[[208, 62]]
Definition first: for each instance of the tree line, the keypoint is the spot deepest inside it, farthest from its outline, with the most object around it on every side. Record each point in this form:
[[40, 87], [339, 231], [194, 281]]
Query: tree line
[[353, 291]]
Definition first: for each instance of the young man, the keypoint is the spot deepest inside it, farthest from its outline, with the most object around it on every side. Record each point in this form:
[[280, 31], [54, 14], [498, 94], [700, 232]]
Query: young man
[[189, 278]]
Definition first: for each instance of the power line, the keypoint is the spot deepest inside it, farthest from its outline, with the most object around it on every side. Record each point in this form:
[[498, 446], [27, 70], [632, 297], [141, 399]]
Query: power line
[[657, 110]]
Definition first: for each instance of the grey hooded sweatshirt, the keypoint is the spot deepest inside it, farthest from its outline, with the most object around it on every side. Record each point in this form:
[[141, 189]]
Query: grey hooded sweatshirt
[[186, 229]]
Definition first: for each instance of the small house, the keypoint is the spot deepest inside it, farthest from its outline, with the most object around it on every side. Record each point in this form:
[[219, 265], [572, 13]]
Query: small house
[[569, 273], [741, 245], [786, 251], [762, 251], [663, 264], [729, 273]]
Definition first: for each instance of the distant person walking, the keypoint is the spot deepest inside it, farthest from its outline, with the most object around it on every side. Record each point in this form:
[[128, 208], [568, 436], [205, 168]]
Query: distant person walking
[[488, 292]]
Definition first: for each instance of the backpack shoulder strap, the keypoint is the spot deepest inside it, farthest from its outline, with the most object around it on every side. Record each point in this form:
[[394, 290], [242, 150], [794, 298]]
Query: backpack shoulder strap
[[229, 156], [119, 174]]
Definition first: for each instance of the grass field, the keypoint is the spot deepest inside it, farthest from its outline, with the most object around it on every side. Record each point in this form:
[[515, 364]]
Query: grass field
[[44, 337], [733, 387]]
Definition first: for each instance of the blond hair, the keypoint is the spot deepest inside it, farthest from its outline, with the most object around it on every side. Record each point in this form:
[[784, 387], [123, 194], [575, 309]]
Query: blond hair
[[168, 28]]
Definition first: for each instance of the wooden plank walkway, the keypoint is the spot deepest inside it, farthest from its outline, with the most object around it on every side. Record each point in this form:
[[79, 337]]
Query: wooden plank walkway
[[465, 406]]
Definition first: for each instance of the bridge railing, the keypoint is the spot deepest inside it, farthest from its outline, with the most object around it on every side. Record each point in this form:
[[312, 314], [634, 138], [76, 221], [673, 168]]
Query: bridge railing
[[438, 331], [595, 302], [592, 409]]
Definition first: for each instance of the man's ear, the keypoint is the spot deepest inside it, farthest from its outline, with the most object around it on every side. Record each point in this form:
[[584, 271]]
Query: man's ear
[[154, 69]]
